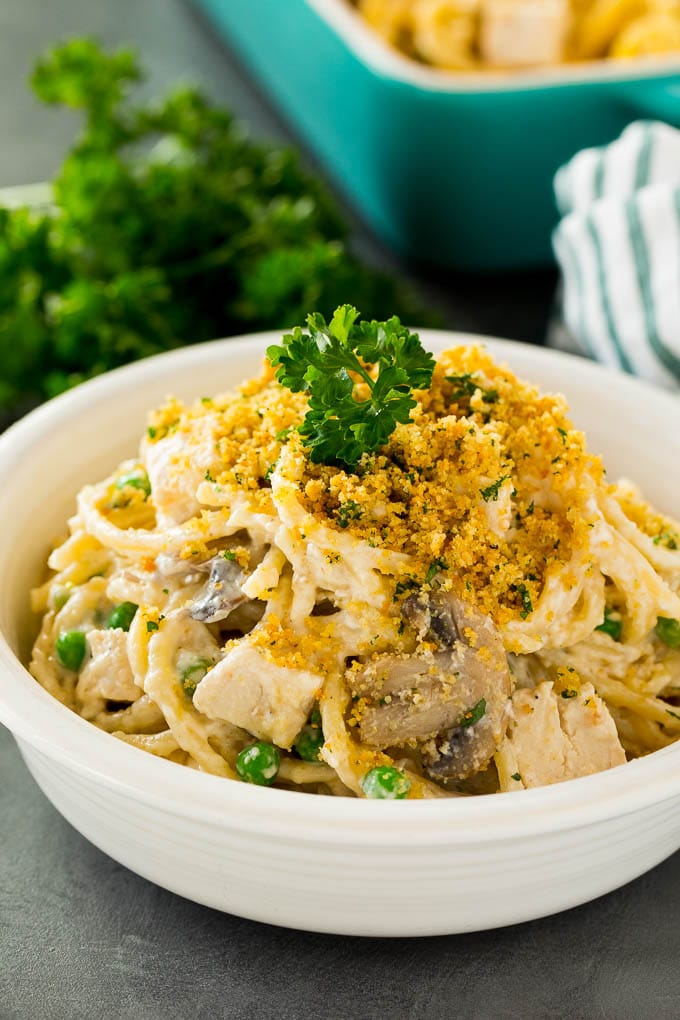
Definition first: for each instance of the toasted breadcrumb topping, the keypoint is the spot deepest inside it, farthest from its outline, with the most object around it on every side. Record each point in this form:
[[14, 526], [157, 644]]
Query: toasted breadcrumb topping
[[488, 485], [647, 519]]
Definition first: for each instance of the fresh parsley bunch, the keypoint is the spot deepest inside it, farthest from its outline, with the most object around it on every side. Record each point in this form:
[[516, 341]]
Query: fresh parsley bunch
[[331, 360], [165, 225]]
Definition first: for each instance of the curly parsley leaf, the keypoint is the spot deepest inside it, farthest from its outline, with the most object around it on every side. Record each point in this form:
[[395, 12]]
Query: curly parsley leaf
[[166, 224], [337, 363]]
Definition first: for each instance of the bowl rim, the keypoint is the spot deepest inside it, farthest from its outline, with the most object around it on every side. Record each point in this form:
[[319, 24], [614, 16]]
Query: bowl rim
[[39, 721], [386, 62]]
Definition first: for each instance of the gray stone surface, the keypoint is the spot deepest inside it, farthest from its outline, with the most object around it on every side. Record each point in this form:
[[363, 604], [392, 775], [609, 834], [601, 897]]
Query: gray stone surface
[[81, 937]]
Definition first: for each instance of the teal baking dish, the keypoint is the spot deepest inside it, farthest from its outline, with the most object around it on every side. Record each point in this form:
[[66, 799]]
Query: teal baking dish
[[446, 168]]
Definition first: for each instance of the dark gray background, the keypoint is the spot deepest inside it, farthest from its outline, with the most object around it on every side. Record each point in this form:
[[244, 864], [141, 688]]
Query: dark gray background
[[81, 937]]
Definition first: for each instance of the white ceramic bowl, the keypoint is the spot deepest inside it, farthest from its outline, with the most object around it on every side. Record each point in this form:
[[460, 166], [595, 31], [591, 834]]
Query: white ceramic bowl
[[324, 864]]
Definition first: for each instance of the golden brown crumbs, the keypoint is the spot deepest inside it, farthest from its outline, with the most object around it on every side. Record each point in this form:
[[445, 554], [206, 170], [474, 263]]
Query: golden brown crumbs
[[486, 488]]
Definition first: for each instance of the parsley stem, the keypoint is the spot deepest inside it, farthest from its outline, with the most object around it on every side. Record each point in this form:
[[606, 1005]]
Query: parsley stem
[[365, 376]]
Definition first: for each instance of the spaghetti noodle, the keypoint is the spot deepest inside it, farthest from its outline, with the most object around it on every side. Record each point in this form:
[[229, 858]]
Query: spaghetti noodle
[[473, 609]]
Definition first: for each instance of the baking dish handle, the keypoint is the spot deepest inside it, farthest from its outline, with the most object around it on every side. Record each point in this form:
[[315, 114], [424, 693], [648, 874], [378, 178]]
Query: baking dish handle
[[656, 100]]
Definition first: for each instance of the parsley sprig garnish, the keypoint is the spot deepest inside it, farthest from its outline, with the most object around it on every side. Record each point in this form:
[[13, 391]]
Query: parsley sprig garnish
[[165, 224], [330, 360]]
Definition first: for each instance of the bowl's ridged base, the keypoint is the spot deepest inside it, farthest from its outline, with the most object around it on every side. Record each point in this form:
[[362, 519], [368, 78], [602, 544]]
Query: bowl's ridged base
[[360, 890]]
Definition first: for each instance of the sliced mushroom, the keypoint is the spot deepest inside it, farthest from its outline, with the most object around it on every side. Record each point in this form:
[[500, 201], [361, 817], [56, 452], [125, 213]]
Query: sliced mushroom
[[222, 592], [173, 566], [450, 701], [246, 616], [434, 616]]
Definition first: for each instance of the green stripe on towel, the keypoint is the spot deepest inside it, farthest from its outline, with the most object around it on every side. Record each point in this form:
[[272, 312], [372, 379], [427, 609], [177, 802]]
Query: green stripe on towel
[[575, 271], [598, 176], [667, 358], [644, 159], [603, 285]]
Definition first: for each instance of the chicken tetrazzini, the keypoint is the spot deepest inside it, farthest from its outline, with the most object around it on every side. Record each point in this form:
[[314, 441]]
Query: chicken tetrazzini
[[470, 608]]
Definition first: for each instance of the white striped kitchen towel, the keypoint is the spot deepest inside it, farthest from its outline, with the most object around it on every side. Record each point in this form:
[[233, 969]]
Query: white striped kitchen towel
[[618, 246]]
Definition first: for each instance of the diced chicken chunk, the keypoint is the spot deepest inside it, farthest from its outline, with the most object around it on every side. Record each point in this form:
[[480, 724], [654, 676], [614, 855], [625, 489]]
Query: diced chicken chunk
[[522, 33], [176, 466], [444, 31], [107, 674], [248, 690], [552, 738]]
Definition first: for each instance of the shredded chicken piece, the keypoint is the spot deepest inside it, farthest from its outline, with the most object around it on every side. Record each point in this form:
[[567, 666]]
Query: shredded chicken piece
[[556, 736], [107, 676], [176, 466]]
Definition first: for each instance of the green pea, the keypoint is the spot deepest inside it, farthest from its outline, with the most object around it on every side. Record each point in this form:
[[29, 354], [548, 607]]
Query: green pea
[[71, 647], [136, 480], [385, 783], [193, 674], [61, 597], [121, 616], [258, 763], [668, 631], [611, 626], [310, 739]]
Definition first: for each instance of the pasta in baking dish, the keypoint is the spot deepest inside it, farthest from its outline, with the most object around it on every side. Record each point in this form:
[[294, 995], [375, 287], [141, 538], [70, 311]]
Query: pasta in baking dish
[[473, 608], [467, 35]]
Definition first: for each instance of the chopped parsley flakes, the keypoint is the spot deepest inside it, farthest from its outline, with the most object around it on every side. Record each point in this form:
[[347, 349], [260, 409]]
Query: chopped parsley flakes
[[490, 493], [473, 715], [434, 569], [466, 386], [346, 512], [525, 596]]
